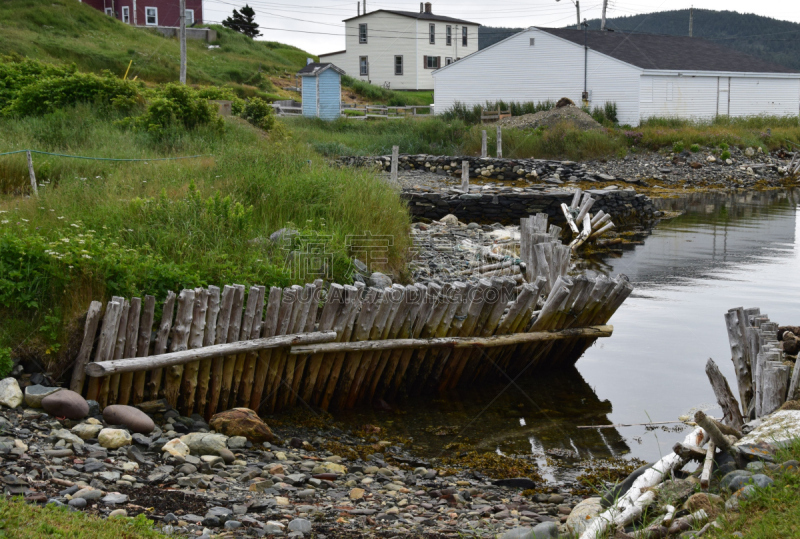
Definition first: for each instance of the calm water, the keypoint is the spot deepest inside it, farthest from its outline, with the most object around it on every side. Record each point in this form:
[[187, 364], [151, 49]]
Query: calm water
[[725, 251]]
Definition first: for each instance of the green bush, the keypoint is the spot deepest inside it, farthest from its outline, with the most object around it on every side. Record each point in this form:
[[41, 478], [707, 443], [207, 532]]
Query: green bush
[[677, 147], [694, 148], [725, 155], [367, 90], [222, 93], [175, 106], [6, 364], [17, 72], [259, 113], [723, 146]]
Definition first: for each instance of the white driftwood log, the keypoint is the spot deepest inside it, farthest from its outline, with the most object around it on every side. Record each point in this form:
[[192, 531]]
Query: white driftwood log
[[618, 512], [186, 356], [705, 477], [455, 342]]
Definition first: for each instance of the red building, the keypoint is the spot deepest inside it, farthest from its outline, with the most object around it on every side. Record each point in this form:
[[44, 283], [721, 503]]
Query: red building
[[150, 12]]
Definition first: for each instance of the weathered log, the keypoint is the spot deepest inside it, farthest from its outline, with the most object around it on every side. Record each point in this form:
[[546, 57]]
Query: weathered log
[[89, 332], [105, 343], [161, 342], [234, 334], [218, 350], [196, 339], [269, 327], [713, 431], [708, 464], [245, 381], [109, 389], [252, 315], [204, 372], [775, 385], [143, 346], [689, 452], [734, 322], [178, 343], [220, 337], [131, 342], [730, 407]]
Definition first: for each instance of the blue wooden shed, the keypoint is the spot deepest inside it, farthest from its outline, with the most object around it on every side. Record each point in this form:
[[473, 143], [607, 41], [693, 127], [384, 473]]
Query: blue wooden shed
[[322, 90]]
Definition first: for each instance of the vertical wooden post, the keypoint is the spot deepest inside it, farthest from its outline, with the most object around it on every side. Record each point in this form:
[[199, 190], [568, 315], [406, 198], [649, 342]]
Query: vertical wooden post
[[143, 346], [196, 339], [499, 142], [484, 145], [131, 342], [221, 337], [105, 344], [234, 331], [34, 187], [270, 326], [204, 372], [465, 176], [182, 6], [89, 332], [178, 343], [110, 388], [395, 159], [161, 342]]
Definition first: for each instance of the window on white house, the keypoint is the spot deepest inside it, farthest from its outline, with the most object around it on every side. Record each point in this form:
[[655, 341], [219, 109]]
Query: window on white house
[[431, 62], [126, 14], [109, 12], [189, 17], [398, 65], [533, 41], [463, 36], [362, 33], [151, 16], [448, 61], [363, 66], [448, 35], [432, 33]]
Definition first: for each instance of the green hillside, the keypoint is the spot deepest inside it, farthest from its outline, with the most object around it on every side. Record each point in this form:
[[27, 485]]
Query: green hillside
[[67, 31], [770, 39]]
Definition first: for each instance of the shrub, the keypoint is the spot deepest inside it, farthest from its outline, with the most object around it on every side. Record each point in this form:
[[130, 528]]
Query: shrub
[[175, 105], [222, 93], [6, 364], [634, 137], [694, 148], [17, 72], [725, 155], [723, 146], [677, 147], [610, 110], [259, 113], [367, 90]]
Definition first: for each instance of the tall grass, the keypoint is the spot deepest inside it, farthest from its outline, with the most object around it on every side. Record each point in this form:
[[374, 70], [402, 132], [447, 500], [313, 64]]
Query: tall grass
[[101, 228], [378, 94], [472, 115]]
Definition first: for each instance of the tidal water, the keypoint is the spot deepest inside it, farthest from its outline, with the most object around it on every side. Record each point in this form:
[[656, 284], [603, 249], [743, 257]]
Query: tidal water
[[724, 251]]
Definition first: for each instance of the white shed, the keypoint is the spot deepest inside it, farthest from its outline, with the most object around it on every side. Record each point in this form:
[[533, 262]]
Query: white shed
[[646, 75]]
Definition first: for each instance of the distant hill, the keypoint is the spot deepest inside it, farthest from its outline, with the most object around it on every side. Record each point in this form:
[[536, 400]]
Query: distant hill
[[68, 31], [770, 39]]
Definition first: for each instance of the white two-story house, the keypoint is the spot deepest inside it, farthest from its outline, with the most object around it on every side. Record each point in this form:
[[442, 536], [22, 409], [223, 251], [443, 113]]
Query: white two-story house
[[400, 49]]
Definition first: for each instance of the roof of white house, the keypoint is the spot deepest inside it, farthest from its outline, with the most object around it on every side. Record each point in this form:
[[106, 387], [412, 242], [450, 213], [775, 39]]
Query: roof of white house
[[658, 52], [415, 15], [673, 53], [314, 69]]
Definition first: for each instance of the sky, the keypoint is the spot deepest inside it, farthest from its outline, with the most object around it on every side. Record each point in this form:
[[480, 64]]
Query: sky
[[316, 25]]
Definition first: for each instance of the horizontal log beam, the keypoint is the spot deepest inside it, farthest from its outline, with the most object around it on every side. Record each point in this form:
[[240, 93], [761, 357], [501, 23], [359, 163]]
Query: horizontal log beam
[[590, 332], [104, 368]]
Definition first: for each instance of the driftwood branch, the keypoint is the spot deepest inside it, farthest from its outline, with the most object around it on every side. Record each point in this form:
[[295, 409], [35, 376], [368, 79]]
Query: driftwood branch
[[730, 407], [705, 477], [714, 432], [456, 342], [187, 356]]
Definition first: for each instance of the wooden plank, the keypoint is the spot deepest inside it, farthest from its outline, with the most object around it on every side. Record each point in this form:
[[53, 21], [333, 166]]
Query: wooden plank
[[299, 319], [708, 465], [161, 343], [352, 298], [119, 352], [270, 326], [234, 331], [143, 346], [196, 339], [220, 337], [311, 294], [85, 352], [204, 371], [245, 384], [255, 304], [131, 342], [334, 302], [105, 343], [278, 361], [179, 343]]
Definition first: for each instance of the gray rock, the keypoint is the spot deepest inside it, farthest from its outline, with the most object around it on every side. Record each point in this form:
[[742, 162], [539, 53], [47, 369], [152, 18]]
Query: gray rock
[[87, 431], [114, 498], [545, 530], [88, 494], [762, 481], [584, 514], [114, 438], [379, 280], [78, 503], [300, 525], [735, 480], [516, 482], [237, 442], [232, 524], [131, 418], [34, 394], [206, 443]]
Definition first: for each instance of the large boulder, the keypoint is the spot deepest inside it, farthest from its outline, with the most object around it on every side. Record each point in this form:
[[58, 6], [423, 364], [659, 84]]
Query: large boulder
[[131, 418], [66, 403], [35, 393], [114, 438], [242, 422], [10, 393], [206, 443], [584, 514]]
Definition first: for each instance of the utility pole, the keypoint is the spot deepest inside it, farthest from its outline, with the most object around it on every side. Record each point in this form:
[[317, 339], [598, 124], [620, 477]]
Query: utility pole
[[578, 7], [603, 18], [183, 41], [691, 20]]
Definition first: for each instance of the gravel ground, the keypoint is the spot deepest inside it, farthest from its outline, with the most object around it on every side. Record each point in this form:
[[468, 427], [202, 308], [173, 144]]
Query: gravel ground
[[570, 114]]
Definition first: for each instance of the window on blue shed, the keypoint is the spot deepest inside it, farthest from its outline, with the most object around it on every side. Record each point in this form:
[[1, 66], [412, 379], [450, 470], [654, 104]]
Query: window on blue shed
[[363, 66], [463, 36], [448, 35], [362, 33], [432, 33], [398, 65]]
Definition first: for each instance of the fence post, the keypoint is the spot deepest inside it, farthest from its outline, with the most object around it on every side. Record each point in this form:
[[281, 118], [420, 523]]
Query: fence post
[[395, 159], [33, 176], [499, 142], [484, 152], [465, 176]]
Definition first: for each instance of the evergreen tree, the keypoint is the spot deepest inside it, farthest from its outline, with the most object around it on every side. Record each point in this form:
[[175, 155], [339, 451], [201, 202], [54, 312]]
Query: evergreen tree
[[243, 21]]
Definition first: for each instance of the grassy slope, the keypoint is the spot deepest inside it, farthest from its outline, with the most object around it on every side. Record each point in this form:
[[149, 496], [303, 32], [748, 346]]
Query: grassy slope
[[26, 521], [67, 31]]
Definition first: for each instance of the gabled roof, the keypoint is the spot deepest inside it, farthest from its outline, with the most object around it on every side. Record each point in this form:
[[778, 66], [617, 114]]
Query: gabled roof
[[671, 53], [314, 69], [415, 15]]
